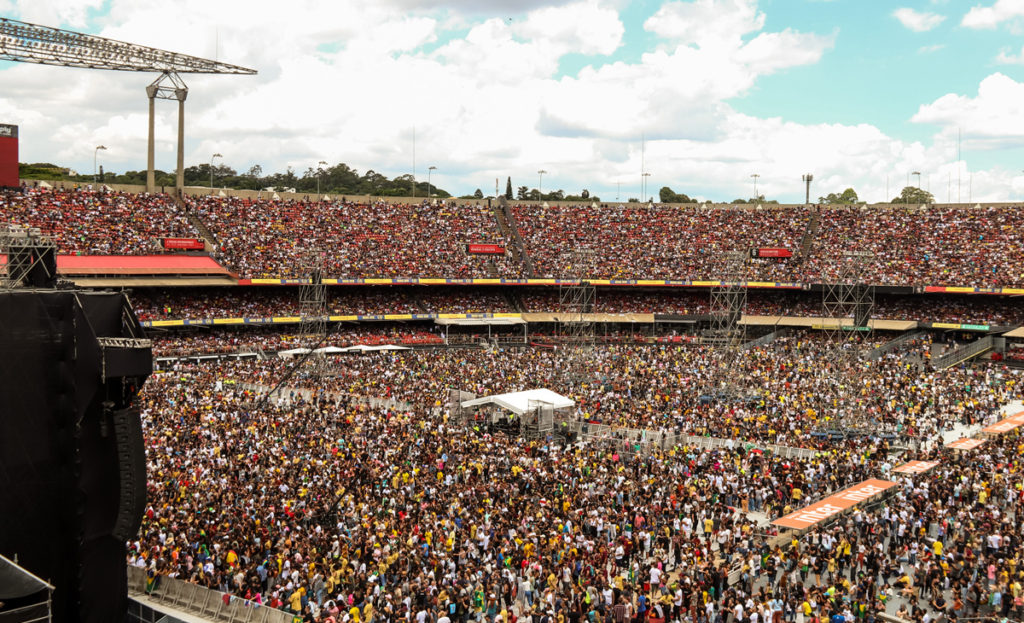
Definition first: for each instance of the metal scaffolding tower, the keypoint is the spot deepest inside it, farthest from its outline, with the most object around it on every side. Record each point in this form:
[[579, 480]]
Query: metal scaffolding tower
[[31, 43], [313, 313], [726, 333], [847, 306], [576, 298], [31, 258]]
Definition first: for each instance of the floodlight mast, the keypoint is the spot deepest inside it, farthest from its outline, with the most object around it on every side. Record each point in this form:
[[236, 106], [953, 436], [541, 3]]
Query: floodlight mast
[[31, 43]]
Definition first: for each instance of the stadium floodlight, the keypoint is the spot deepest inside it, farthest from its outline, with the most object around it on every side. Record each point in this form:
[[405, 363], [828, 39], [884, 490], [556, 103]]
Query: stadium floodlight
[[540, 183], [643, 185], [430, 189], [211, 169], [755, 176], [319, 174], [918, 174], [807, 178], [94, 153]]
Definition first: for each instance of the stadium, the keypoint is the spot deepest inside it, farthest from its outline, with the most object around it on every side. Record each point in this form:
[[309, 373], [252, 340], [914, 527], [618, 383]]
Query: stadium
[[247, 404]]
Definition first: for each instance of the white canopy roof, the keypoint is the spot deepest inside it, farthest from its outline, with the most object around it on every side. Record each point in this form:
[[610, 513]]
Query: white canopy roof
[[364, 348], [519, 402]]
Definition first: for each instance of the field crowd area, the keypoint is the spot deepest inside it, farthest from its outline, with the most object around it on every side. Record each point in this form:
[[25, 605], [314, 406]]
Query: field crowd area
[[979, 246], [336, 506]]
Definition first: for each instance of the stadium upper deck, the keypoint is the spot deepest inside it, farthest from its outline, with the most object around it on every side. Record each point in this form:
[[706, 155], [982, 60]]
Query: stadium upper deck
[[981, 247]]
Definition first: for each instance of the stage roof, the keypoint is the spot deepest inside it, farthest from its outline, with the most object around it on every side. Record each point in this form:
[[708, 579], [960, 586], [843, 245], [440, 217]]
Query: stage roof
[[519, 402]]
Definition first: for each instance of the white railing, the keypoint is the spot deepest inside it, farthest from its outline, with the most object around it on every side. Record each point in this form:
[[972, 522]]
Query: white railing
[[964, 353], [200, 601]]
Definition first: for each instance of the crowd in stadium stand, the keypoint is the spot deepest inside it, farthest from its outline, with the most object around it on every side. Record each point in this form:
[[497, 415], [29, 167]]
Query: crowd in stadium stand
[[249, 339], [235, 302], [87, 222], [934, 246], [263, 302], [655, 242], [284, 238], [967, 246], [339, 511]]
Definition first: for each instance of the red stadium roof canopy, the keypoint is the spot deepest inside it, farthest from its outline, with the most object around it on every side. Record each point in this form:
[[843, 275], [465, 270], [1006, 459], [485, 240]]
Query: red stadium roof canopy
[[136, 265]]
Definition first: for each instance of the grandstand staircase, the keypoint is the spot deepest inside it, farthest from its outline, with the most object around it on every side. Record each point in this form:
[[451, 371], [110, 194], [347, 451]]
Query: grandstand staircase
[[196, 222], [876, 354], [514, 302], [964, 353], [813, 225], [418, 302], [510, 229]]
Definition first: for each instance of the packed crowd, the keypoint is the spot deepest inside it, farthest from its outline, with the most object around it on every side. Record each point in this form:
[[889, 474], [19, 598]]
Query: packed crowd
[[934, 246], [654, 242], [271, 339], [963, 246], [263, 302], [282, 238], [338, 511], [85, 222]]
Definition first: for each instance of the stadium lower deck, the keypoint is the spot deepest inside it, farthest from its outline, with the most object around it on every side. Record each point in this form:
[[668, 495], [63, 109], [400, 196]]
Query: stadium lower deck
[[361, 495]]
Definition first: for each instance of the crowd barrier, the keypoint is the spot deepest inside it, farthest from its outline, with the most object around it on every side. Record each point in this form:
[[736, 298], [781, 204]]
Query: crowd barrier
[[201, 601]]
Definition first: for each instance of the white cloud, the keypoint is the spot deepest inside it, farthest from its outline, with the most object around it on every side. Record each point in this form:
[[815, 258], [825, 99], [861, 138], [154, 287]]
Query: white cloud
[[991, 120], [928, 49], [916, 20], [347, 81], [1008, 58], [992, 16]]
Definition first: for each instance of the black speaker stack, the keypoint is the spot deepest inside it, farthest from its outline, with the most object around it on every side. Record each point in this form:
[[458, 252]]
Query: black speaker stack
[[72, 461]]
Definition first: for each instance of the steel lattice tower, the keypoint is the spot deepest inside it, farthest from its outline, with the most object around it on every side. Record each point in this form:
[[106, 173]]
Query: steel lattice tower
[[726, 333], [313, 312], [576, 298], [847, 306]]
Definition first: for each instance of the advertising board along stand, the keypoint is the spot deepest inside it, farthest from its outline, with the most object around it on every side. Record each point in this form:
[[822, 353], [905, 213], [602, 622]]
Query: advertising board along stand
[[914, 468], [835, 505], [965, 443]]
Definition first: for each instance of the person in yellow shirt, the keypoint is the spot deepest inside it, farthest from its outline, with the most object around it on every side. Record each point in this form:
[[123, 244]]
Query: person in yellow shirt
[[937, 548]]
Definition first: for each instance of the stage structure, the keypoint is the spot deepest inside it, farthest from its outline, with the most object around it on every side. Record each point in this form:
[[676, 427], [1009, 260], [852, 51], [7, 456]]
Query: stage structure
[[847, 306], [726, 332], [530, 414], [31, 43], [72, 458], [576, 298]]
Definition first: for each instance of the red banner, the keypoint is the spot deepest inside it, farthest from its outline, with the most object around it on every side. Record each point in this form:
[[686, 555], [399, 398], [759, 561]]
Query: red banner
[[774, 252], [8, 155], [915, 467], [833, 504], [191, 244], [486, 249]]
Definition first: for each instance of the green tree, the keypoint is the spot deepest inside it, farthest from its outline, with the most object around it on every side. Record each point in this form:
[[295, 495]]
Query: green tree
[[479, 194], [846, 197], [585, 194], [522, 192], [914, 195], [508, 188], [667, 195]]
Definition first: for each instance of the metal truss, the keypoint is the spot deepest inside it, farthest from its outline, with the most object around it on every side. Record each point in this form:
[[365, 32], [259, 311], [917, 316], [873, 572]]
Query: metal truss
[[313, 312], [576, 298], [847, 306], [726, 333], [32, 43], [20, 244]]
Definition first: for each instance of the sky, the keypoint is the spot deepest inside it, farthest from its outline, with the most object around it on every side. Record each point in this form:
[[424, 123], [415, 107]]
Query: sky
[[701, 94]]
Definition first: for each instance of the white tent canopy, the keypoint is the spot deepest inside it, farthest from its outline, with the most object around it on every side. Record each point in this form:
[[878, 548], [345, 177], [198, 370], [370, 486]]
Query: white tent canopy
[[362, 348], [519, 402]]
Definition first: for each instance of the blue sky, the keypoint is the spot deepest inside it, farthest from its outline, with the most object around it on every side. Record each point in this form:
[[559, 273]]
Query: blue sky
[[857, 92]]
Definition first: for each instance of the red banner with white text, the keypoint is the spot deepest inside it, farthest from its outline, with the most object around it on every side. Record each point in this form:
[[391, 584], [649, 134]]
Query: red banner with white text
[[485, 249], [187, 244]]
